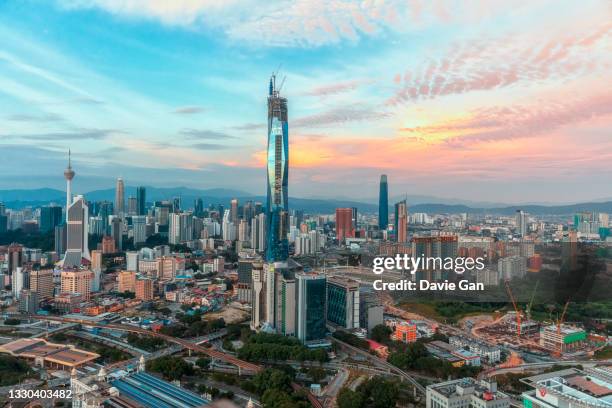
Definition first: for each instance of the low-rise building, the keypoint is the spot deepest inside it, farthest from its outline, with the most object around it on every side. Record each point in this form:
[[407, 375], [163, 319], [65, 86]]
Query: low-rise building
[[569, 388], [491, 353], [466, 393]]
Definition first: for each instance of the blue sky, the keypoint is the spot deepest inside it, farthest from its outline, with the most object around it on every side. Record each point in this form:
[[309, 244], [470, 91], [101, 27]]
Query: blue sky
[[452, 99]]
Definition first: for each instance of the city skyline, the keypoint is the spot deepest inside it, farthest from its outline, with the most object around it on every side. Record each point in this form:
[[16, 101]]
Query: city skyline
[[465, 106]]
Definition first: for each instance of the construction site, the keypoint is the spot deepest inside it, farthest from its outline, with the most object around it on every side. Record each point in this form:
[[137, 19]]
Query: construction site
[[517, 329]]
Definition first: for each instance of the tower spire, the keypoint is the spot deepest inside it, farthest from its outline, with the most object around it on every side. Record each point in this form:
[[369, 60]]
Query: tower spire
[[68, 175]]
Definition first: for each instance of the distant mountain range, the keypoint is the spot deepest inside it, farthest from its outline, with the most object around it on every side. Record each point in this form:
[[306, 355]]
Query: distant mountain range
[[43, 196]]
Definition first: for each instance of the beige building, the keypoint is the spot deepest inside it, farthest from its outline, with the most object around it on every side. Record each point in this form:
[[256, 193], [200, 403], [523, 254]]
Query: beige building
[[144, 289], [96, 260], [77, 282], [126, 281], [41, 282]]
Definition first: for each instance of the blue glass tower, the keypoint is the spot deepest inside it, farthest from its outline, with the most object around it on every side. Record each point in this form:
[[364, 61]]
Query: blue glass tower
[[277, 209], [383, 203]]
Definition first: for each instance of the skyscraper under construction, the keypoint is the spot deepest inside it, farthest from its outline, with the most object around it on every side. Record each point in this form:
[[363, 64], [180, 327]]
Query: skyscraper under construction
[[277, 210]]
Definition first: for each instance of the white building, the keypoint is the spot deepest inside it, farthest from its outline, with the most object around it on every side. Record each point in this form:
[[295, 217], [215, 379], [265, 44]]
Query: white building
[[465, 393]]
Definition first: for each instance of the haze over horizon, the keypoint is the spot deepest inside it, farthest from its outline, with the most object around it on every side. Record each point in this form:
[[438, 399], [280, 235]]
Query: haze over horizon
[[473, 102]]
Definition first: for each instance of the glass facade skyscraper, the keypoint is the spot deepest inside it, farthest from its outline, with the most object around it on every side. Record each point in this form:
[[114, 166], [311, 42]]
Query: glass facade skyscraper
[[310, 308], [277, 210], [141, 199], [383, 203]]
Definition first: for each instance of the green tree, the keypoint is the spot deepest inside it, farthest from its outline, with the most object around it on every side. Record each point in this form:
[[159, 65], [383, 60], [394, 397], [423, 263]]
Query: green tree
[[349, 399], [173, 368], [381, 333]]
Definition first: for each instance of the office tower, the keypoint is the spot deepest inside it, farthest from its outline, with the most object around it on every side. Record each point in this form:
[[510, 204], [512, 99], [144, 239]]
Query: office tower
[[198, 207], [401, 222], [228, 228], [303, 245], [77, 282], [28, 302], [95, 226], [383, 203], [370, 308], [310, 314], [248, 211], [139, 228], [176, 204], [116, 227], [258, 296], [512, 267], [144, 289], [277, 208], [96, 260], [243, 230], [3, 223], [141, 200], [108, 245], [126, 281], [343, 302], [60, 240], [162, 213], [120, 198], [344, 224], [96, 268], [131, 260], [434, 246], [41, 282], [180, 228], [245, 278], [270, 293], [521, 223], [15, 257], [77, 233], [105, 211], [132, 206], [258, 232], [286, 310], [68, 175], [50, 217], [19, 281], [234, 211]]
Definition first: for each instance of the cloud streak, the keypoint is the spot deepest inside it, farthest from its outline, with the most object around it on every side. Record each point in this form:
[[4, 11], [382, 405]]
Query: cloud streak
[[204, 134], [189, 110], [483, 65]]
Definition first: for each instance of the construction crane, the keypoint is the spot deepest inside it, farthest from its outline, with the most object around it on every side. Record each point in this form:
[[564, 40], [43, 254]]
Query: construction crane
[[516, 309], [560, 321], [562, 318], [528, 310]]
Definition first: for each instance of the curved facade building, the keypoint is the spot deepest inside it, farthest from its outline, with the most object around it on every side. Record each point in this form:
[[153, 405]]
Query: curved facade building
[[277, 210]]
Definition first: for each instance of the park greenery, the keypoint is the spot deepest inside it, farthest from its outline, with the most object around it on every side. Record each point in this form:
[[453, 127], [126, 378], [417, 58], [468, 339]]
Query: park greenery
[[12, 370], [377, 392], [146, 343], [275, 347], [43, 240], [273, 386], [192, 325], [414, 356], [172, 368]]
